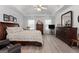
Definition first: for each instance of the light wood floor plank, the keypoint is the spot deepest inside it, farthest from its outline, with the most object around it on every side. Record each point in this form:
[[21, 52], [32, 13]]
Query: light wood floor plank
[[51, 45]]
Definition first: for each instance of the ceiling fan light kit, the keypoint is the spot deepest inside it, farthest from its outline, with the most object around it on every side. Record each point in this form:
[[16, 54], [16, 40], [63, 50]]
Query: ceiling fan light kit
[[40, 7]]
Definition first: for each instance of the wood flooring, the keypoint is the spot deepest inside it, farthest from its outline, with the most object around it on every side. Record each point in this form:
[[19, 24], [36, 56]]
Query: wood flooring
[[51, 45]]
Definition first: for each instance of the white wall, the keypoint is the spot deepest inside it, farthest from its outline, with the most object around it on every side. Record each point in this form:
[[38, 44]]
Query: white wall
[[9, 10], [75, 10], [42, 18]]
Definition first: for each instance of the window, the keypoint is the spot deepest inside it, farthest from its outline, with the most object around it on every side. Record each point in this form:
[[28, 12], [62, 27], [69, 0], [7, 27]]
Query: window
[[31, 24], [47, 22]]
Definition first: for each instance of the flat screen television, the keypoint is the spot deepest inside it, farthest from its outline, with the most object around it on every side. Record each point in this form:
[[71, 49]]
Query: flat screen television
[[51, 26]]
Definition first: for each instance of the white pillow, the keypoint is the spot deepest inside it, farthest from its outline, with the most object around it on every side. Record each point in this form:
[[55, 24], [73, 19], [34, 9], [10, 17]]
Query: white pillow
[[14, 29]]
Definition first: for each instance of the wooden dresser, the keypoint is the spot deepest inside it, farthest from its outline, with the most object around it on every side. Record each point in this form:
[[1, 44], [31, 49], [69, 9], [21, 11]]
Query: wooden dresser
[[39, 27], [66, 34]]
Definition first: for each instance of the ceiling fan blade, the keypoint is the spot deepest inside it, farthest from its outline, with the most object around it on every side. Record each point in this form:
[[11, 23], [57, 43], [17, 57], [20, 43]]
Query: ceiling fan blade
[[43, 8]]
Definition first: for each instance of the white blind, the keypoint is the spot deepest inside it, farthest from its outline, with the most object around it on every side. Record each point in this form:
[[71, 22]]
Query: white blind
[[47, 22], [31, 24]]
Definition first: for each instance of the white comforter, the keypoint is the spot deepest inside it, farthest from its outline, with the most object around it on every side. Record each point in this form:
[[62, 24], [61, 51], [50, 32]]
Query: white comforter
[[26, 35]]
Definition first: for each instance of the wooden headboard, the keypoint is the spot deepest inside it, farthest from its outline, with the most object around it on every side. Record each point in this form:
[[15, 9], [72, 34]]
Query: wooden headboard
[[3, 32], [10, 24]]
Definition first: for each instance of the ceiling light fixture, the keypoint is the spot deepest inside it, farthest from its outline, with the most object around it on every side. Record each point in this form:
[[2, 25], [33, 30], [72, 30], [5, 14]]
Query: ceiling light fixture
[[40, 7]]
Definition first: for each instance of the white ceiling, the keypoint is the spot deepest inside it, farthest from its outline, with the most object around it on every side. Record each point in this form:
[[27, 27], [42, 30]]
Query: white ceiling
[[29, 9]]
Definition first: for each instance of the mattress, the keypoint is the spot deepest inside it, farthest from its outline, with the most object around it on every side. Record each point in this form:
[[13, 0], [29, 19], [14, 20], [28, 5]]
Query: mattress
[[26, 35]]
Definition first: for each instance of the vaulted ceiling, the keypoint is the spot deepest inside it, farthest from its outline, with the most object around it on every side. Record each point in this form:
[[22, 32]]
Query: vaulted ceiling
[[29, 10]]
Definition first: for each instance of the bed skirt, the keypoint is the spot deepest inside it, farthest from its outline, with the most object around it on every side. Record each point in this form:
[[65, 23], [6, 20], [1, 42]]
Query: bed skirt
[[28, 43]]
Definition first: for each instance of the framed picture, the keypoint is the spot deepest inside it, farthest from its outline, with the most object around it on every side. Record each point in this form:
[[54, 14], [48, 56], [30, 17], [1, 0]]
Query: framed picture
[[5, 17], [14, 19], [66, 19], [11, 18]]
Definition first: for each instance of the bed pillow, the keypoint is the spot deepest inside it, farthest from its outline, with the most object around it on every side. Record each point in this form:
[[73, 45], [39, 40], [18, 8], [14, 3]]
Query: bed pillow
[[14, 29]]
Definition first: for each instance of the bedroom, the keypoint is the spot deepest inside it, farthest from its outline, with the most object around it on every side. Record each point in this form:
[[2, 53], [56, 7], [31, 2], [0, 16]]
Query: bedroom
[[34, 21]]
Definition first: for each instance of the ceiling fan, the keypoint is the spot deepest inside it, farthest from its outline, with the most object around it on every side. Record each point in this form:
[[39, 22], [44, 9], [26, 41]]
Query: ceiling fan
[[40, 7]]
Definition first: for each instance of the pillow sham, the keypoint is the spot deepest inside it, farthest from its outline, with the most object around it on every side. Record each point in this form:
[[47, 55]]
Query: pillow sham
[[14, 29]]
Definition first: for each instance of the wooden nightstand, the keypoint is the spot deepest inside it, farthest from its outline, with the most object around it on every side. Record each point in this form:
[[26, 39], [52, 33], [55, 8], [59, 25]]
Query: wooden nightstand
[[39, 27]]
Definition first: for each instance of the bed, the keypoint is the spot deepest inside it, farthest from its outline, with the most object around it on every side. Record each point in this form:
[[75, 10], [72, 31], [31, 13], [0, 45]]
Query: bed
[[25, 37]]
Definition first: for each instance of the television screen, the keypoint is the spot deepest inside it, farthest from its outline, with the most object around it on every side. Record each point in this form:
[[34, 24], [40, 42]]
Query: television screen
[[51, 26]]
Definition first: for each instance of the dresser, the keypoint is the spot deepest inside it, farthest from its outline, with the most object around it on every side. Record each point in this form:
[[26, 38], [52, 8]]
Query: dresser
[[39, 27], [66, 34]]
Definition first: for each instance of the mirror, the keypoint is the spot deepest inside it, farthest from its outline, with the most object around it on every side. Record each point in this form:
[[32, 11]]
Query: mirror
[[66, 19]]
